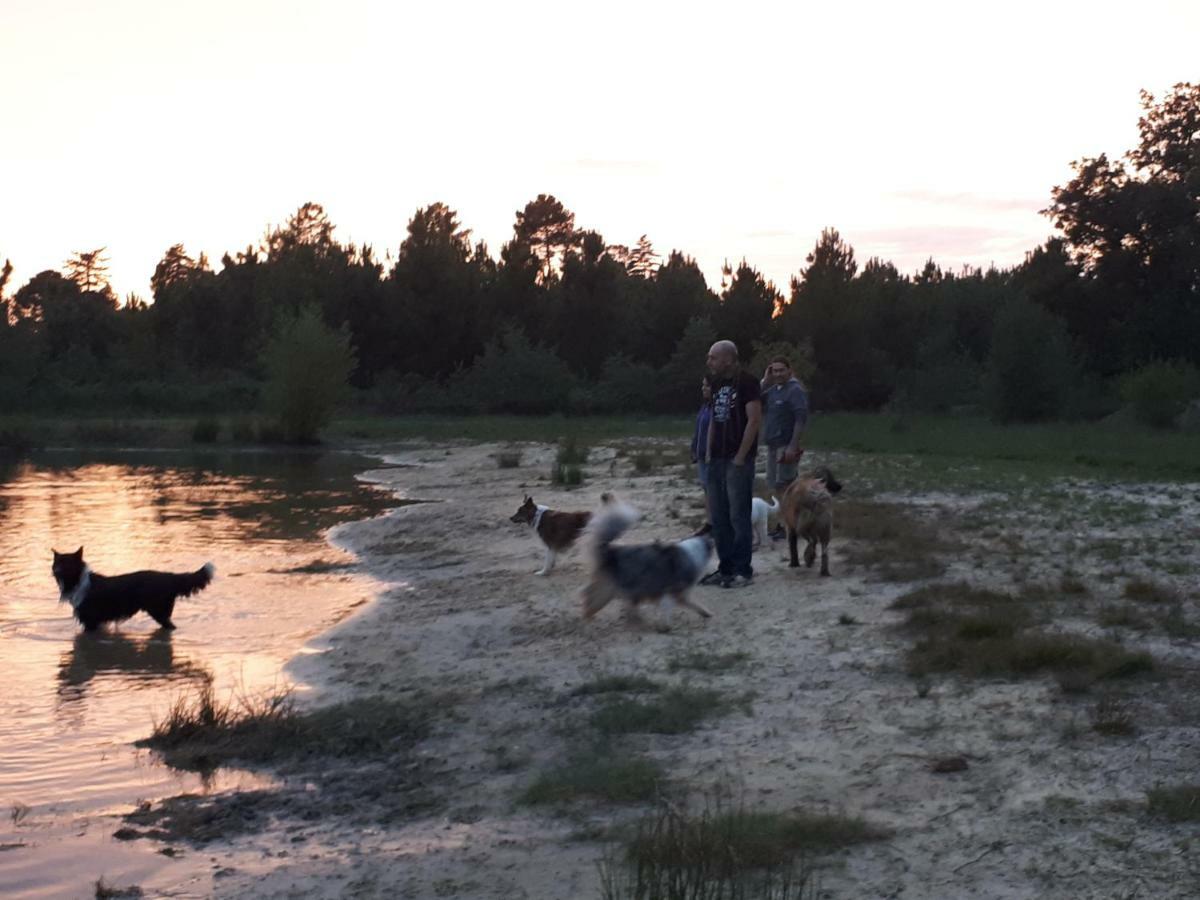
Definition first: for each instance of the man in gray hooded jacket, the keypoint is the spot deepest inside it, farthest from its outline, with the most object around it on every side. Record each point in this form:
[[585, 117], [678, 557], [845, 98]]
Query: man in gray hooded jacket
[[785, 413]]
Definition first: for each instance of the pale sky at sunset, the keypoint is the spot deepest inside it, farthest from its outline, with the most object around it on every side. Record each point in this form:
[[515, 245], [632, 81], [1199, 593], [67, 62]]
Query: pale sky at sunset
[[725, 130]]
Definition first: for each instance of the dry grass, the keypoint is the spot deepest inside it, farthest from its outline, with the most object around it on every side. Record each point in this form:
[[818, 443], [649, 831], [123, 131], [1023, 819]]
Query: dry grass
[[979, 632], [727, 851], [1144, 590], [617, 684], [1113, 716], [706, 661], [674, 711], [599, 773], [891, 539], [1175, 803], [202, 732], [106, 891]]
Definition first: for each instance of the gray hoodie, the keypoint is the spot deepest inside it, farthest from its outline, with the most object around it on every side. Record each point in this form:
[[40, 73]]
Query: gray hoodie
[[783, 406]]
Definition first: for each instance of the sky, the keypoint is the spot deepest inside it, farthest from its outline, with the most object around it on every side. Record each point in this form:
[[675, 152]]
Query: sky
[[727, 131]]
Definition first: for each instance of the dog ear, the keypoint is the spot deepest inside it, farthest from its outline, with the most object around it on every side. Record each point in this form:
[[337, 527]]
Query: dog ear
[[78, 553]]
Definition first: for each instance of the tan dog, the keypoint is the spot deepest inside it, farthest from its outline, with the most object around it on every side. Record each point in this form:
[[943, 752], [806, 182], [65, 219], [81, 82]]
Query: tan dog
[[807, 512]]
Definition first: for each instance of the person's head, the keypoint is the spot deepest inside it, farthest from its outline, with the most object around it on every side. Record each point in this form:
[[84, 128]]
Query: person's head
[[779, 371], [722, 358], [706, 388]]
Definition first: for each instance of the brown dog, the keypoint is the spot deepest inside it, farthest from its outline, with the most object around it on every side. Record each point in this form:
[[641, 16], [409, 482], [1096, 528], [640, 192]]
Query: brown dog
[[555, 529], [807, 512]]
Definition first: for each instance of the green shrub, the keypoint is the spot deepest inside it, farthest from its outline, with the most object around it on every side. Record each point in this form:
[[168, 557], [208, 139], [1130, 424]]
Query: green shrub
[[1157, 393], [308, 367], [206, 431], [514, 375], [1032, 371]]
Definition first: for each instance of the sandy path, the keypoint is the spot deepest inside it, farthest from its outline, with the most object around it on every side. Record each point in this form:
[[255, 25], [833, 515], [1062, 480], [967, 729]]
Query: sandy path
[[1046, 809]]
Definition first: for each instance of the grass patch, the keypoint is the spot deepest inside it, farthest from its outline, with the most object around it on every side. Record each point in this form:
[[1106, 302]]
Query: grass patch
[[706, 661], [569, 475], [1073, 586], [1176, 625], [599, 774], [508, 459], [202, 732], [891, 539], [617, 684], [1143, 590], [1175, 803], [1113, 716], [675, 711], [979, 632], [206, 431], [726, 851], [106, 891], [1126, 616], [571, 452], [645, 463]]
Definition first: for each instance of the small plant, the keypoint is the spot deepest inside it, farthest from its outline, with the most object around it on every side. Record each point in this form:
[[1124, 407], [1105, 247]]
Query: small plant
[[242, 431], [1176, 803], [1143, 590], [570, 452], [599, 774], [847, 619], [617, 684], [106, 891], [1112, 716], [706, 661], [568, 475], [508, 459], [644, 463], [676, 711], [18, 812], [206, 431], [725, 850], [1070, 584]]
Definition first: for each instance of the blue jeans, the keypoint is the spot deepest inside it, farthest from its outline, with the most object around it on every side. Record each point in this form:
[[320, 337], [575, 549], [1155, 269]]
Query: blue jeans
[[730, 491]]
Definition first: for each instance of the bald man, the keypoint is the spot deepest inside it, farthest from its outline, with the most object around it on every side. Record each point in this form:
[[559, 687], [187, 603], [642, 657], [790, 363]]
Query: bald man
[[732, 448]]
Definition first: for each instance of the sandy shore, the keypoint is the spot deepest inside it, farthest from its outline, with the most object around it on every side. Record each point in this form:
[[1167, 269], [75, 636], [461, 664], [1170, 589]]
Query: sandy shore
[[1044, 809]]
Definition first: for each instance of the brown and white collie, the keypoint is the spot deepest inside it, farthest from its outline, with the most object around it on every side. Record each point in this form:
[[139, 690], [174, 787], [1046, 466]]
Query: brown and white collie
[[97, 598], [557, 530]]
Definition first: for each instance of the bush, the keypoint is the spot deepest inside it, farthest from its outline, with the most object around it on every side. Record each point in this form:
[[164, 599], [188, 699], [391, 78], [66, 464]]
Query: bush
[[308, 369], [1159, 392], [205, 431], [514, 375], [1032, 371]]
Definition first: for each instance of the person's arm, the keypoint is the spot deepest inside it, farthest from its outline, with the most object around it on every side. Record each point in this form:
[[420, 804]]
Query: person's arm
[[799, 404], [753, 424], [708, 443]]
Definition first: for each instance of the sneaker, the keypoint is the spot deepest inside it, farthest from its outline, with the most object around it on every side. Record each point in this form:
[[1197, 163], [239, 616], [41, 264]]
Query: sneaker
[[738, 581], [702, 530], [712, 578]]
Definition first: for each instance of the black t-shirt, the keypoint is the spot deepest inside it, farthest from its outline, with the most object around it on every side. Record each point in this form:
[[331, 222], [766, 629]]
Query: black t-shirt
[[729, 399]]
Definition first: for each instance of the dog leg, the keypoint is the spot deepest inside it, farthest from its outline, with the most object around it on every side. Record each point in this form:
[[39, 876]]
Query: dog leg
[[633, 616], [663, 626], [793, 538], [824, 557], [548, 565], [810, 553], [685, 601], [596, 596]]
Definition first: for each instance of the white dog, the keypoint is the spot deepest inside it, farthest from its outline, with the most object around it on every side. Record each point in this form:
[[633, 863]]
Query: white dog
[[760, 510]]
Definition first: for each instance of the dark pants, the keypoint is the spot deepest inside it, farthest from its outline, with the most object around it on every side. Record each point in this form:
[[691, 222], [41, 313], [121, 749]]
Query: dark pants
[[730, 490]]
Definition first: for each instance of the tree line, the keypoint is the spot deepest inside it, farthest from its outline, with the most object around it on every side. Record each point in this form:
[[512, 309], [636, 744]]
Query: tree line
[[562, 320]]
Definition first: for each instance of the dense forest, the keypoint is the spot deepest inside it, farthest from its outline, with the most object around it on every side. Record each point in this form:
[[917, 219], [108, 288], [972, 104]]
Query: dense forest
[[562, 320]]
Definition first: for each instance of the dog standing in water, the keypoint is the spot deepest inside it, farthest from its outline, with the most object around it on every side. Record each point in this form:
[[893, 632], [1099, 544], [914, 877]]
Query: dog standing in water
[[97, 598]]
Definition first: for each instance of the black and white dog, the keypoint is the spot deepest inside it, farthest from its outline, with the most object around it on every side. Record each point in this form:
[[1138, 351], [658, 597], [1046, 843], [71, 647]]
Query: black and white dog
[[97, 598], [642, 573]]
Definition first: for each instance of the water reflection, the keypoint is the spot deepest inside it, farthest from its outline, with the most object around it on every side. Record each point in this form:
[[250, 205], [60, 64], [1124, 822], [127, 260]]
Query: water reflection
[[139, 660]]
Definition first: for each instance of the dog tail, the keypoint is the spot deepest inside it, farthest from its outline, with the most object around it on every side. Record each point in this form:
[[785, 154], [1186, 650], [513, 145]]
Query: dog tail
[[194, 582], [774, 507], [609, 524]]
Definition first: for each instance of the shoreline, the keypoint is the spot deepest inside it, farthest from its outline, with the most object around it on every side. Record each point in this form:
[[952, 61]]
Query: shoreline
[[832, 722]]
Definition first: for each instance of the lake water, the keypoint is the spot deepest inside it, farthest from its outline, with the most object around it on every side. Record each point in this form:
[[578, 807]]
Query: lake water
[[72, 703]]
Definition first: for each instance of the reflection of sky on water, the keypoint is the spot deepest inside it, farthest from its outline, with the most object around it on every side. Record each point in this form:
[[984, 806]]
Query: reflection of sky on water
[[71, 703]]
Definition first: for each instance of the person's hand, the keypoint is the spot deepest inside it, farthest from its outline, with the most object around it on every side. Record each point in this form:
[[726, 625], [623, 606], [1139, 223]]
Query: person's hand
[[790, 455], [739, 460]]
